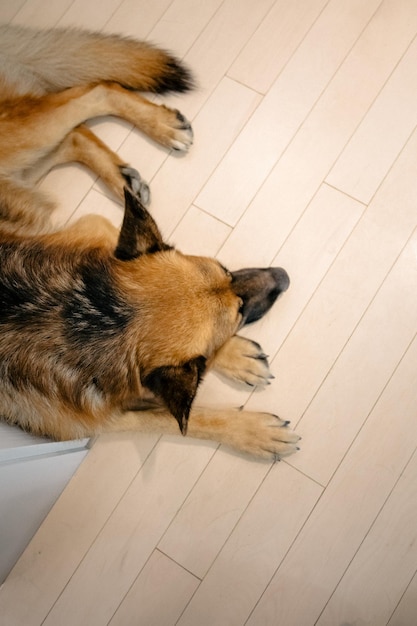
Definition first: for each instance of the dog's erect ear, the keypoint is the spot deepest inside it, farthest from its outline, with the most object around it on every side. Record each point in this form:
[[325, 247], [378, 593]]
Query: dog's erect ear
[[177, 385], [139, 233]]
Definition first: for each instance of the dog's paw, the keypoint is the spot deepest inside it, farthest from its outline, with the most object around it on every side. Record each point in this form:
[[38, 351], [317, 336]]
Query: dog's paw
[[183, 135], [136, 184], [262, 435], [173, 130], [243, 360]]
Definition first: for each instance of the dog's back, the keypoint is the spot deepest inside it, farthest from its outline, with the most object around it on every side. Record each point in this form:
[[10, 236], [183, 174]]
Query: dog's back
[[37, 62]]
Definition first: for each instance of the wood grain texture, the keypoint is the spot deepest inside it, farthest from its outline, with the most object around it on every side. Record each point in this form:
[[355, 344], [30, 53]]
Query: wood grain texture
[[305, 157]]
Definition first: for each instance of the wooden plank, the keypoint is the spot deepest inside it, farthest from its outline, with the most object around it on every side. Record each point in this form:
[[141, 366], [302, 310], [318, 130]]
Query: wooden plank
[[127, 539], [217, 47], [32, 13], [343, 296], [375, 145], [199, 233], [136, 17], [360, 374], [158, 595], [369, 590], [308, 575], [307, 160], [254, 550], [406, 610], [262, 144], [8, 10], [68, 187], [97, 204], [93, 14], [212, 510], [180, 178], [274, 43], [182, 23]]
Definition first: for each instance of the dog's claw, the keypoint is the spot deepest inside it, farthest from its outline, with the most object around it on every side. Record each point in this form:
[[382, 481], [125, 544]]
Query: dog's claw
[[244, 360], [136, 184], [183, 136], [274, 441]]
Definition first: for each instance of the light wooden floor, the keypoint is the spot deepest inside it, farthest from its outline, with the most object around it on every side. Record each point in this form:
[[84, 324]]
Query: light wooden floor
[[305, 156]]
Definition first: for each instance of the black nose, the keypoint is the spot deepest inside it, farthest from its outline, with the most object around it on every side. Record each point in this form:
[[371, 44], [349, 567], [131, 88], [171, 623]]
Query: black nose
[[259, 288], [281, 277]]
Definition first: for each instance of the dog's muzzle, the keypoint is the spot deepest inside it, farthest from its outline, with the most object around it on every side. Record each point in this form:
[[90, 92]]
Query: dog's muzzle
[[258, 289]]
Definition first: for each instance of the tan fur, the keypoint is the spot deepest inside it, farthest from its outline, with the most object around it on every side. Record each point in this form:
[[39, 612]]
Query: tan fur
[[97, 324]]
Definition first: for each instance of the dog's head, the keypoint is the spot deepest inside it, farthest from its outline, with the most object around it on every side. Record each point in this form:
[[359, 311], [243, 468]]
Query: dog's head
[[187, 306]]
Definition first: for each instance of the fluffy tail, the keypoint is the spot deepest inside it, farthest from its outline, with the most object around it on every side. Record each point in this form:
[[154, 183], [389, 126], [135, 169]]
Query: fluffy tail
[[38, 62]]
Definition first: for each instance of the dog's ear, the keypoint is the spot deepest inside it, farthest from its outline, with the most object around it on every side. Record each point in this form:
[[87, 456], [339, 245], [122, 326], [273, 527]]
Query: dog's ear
[[139, 233], [177, 386]]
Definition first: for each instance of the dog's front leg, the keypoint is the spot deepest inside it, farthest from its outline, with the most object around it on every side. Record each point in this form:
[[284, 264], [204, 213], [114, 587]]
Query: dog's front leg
[[261, 435], [243, 360]]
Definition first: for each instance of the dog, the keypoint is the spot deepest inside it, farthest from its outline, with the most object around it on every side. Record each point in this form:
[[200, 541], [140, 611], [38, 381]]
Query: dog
[[101, 330]]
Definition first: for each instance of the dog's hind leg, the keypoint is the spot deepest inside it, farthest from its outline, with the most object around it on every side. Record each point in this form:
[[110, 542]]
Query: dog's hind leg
[[81, 145], [23, 209], [164, 125], [36, 126]]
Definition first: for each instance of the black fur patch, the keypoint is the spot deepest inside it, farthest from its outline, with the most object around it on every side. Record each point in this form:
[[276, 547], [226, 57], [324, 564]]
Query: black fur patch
[[139, 233], [37, 287], [23, 295], [93, 308], [177, 385], [176, 78]]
